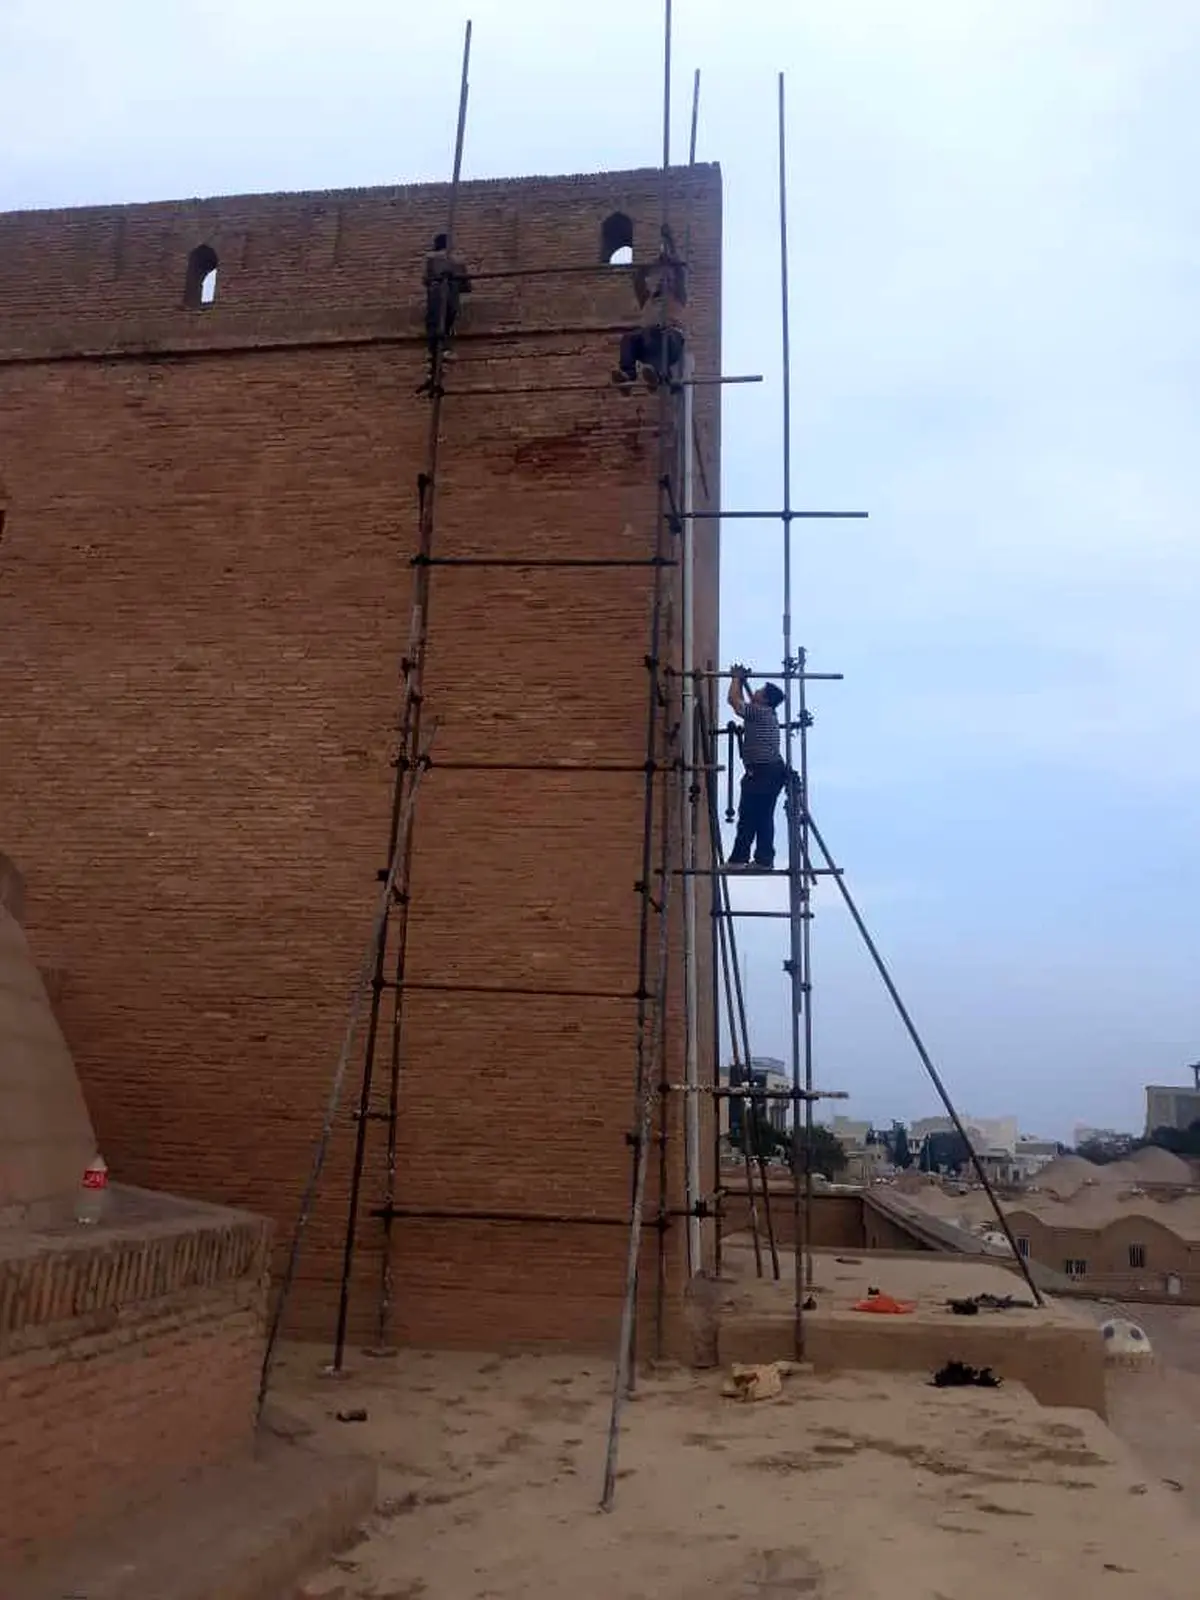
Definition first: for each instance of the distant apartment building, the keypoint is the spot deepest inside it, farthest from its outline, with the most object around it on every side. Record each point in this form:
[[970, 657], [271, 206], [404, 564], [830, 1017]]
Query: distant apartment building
[[768, 1073], [1171, 1106], [995, 1135], [849, 1131], [865, 1163], [1019, 1165], [1084, 1134], [1029, 1157]]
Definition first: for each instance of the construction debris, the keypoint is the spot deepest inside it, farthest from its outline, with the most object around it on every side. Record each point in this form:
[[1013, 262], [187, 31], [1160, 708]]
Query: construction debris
[[761, 1381]]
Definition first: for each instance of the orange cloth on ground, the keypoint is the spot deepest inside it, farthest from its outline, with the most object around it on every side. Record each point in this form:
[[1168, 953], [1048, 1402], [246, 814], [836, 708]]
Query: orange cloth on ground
[[885, 1303]]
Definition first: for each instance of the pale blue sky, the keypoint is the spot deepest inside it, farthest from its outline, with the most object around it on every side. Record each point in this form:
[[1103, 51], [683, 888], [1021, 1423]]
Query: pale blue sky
[[996, 327]]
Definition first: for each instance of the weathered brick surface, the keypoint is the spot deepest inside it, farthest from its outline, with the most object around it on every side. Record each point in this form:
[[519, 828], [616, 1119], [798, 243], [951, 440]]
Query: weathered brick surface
[[204, 598], [46, 1138], [837, 1220], [128, 1358], [97, 1274]]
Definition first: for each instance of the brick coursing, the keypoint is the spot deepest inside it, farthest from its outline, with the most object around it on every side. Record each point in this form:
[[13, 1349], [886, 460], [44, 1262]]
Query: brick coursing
[[126, 1363], [101, 1276], [204, 599]]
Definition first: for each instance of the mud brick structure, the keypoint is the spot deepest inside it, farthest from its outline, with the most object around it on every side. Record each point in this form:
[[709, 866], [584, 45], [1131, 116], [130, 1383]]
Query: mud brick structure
[[129, 1357], [208, 508], [130, 1349]]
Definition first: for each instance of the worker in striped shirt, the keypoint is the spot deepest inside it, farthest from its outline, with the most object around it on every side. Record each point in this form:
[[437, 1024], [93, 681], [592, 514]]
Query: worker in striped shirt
[[764, 770]]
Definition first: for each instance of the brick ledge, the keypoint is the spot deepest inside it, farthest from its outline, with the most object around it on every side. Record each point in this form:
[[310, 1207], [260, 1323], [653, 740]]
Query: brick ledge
[[154, 1246]]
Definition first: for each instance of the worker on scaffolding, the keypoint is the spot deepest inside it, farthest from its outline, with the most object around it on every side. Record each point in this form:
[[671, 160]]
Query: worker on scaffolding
[[654, 351], [764, 770], [446, 281]]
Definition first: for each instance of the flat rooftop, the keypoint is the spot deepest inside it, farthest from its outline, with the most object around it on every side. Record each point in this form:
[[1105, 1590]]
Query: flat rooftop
[[846, 1487], [1054, 1349]]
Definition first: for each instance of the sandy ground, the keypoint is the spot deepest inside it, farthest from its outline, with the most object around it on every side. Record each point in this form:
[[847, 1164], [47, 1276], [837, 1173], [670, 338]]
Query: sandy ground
[[860, 1487], [842, 1277], [1156, 1411]]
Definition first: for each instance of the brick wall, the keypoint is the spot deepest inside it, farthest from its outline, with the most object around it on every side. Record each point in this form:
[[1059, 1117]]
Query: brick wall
[[46, 1139], [886, 1231], [204, 597], [127, 1359], [836, 1219]]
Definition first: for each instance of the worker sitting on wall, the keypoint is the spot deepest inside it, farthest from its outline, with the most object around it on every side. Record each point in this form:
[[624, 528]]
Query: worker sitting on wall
[[654, 352], [446, 282], [764, 770]]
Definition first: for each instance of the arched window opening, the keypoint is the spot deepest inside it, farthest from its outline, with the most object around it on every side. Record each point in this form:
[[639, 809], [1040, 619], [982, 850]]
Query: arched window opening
[[200, 287], [616, 240]]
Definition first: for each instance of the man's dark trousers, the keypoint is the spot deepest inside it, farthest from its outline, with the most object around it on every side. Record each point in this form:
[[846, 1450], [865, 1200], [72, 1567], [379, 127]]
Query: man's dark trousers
[[756, 815], [652, 349]]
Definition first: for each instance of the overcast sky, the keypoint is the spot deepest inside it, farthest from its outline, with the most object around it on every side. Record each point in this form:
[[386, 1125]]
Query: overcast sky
[[995, 230]]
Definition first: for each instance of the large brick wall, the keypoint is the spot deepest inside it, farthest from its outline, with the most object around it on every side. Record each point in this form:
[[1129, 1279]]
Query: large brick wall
[[204, 598], [129, 1357]]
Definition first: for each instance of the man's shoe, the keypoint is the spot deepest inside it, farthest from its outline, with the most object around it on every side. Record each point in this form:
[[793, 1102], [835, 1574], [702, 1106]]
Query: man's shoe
[[764, 866], [622, 380], [736, 866], [648, 375]]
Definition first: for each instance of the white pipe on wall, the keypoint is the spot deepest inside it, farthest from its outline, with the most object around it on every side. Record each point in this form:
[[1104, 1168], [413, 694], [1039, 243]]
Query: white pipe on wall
[[691, 1107]]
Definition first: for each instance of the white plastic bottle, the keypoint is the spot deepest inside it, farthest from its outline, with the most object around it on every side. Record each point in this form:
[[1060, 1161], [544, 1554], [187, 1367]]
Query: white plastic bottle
[[93, 1191]]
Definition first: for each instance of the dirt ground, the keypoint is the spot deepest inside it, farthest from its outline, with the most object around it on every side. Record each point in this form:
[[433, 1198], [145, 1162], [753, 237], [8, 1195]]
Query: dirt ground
[[842, 1277], [859, 1487], [1156, 1411]]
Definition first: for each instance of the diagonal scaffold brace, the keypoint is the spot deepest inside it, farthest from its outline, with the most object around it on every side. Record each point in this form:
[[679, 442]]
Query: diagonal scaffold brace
[[651, 1090], [401, 826], [333, 1104], [926, 1059]]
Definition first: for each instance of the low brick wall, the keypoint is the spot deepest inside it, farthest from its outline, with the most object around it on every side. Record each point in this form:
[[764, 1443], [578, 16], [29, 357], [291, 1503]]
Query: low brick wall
[[1060, 1366], [129, 1357], [837, 1219]]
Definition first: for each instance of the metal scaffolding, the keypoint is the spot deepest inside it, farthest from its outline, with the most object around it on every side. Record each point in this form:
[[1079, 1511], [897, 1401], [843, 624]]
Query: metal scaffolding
[[680, 840]]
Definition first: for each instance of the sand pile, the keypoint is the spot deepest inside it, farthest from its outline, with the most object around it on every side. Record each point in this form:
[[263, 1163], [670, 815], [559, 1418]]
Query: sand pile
[[1066, 1175], [1153, 1165]]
